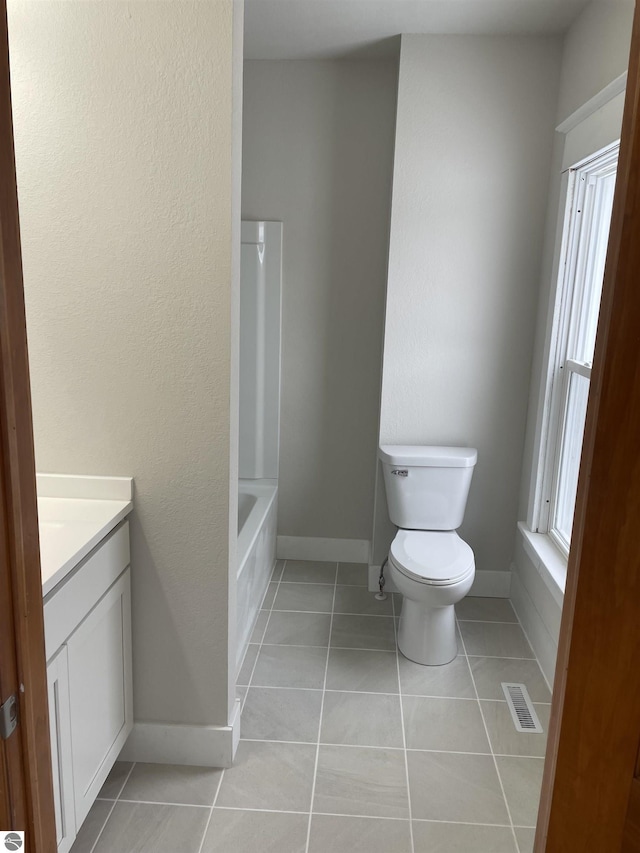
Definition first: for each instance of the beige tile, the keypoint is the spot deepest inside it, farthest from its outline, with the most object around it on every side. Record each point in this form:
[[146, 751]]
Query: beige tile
[[290, 666], [525, 838], [92, 826], [245, 832], [486, 610], [359, 669], [172, 783], [275, 713], [361, 781], [115, 780], [298, 629], [277, 571], [144, 828], [247, 664], [354, 599], [489, 673], [495, 639], [522, 780], [269, 595], [259, 627], [506, 739], [353, 574], [456, 788], [462, 838], [363, 632], [444, 724], [452, 679], [274, 776], [304, 596], [306, 571], [358, 835], [362, 719]]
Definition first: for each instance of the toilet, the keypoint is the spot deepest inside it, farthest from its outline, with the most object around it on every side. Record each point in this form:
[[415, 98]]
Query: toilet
[[429, 564]]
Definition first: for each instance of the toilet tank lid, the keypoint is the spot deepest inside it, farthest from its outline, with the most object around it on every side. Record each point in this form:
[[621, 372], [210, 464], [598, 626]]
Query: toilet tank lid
[[428, 456]]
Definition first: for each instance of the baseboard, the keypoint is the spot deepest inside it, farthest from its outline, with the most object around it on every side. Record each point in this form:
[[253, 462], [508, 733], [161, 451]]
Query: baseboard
[[329, 550], [540, 640], [485, 584], [198, 746]]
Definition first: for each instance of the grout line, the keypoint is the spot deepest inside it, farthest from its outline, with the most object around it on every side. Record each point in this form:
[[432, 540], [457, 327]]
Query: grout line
[[213, 804], [264, 634], [95, 843], [404, 736], [337, 613], [492, 621], [324, 686], [495, 763], [159, 803]]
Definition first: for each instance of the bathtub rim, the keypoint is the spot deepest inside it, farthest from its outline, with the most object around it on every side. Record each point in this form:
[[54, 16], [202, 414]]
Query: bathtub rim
[[265, 491]]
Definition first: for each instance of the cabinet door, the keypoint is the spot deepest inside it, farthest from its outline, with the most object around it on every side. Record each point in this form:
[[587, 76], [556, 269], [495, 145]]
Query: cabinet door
[[60, 724], [99, 653]]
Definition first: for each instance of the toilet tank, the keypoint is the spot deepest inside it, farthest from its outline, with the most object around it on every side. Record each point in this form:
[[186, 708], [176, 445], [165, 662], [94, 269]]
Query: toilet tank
[[427, 486]]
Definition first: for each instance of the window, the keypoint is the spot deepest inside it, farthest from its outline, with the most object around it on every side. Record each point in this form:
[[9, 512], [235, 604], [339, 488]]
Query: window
[[585, 238]]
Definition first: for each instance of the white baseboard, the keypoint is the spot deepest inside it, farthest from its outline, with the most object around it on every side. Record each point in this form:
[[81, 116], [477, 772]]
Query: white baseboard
[[485, 584], [330, 550], [541, 641], [198, 746]]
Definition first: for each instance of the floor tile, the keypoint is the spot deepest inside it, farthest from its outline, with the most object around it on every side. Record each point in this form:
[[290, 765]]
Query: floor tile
[[486, 610], [304, 596], [358, 835], [363, 632], [522, 780], [452, 679], [241, 692], [306, 571], [276, 713], [259, 627], [354, 599], [92, 826], [172, 783], [245, 832], [115, 780], [495, 639], [277, 571], [361, 781], [265, 775], [143, 828], [353, 574], [362, 719], [525, 838], [269, 595], [461, 838], [506, 739], [456, 788], [298, 629], [358, 669], [290, 666], [247, 664], [489, 673], [444, 724]]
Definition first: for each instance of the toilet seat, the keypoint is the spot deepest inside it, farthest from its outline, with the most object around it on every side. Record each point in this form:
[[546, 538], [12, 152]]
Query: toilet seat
[[435, 557]]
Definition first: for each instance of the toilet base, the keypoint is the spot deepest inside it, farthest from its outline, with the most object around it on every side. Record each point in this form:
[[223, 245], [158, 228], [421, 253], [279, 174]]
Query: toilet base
[[427, 635]]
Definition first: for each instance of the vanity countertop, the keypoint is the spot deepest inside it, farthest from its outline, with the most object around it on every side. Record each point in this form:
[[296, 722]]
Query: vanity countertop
[[74, 514]]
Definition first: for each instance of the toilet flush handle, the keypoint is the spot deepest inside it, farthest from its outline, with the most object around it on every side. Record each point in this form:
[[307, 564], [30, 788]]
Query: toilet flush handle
[[400, 472]]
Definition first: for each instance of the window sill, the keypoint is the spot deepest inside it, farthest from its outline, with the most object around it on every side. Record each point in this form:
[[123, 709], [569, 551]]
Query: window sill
[[547, 558]]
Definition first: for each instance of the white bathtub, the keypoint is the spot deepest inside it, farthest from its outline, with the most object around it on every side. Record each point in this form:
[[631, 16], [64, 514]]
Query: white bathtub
[[257, 520]]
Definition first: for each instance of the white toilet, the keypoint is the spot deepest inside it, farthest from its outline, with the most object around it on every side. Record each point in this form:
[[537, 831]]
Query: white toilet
[[433, 568]]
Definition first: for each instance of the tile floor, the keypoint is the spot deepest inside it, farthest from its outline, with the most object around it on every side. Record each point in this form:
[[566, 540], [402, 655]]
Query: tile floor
[[347, 747]]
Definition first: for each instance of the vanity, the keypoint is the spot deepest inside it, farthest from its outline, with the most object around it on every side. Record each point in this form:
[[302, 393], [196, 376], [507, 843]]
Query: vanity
[[86, 585]]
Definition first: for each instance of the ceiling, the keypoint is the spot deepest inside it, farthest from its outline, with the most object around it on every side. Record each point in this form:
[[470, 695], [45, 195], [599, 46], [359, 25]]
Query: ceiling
[[327, 29]]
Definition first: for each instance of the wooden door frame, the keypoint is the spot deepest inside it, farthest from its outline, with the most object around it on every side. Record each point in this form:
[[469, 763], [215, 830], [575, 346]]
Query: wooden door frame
[[26, 791], [595, 718]]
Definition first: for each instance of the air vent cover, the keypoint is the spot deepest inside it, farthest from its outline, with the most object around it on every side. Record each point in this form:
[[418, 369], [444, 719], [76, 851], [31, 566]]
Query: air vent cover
[[524, 716]]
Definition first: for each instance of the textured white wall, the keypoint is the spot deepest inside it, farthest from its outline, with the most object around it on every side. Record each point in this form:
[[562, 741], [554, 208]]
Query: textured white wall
[[123, 125], [472, 156], [318, 155]]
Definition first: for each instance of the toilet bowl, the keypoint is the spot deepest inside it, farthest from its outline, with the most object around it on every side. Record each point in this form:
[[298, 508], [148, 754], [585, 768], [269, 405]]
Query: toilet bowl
[[433, 571], [429, 564]]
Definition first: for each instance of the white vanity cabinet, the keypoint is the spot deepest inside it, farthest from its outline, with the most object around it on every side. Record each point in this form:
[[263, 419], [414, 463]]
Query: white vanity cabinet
[[88, 644]]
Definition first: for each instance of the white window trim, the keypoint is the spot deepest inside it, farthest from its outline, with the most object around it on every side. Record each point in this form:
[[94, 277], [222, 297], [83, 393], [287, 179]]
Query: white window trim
[[551, 426]]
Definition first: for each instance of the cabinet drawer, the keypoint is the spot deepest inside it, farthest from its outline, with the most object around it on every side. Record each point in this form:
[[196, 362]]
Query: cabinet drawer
[[69, 602]]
